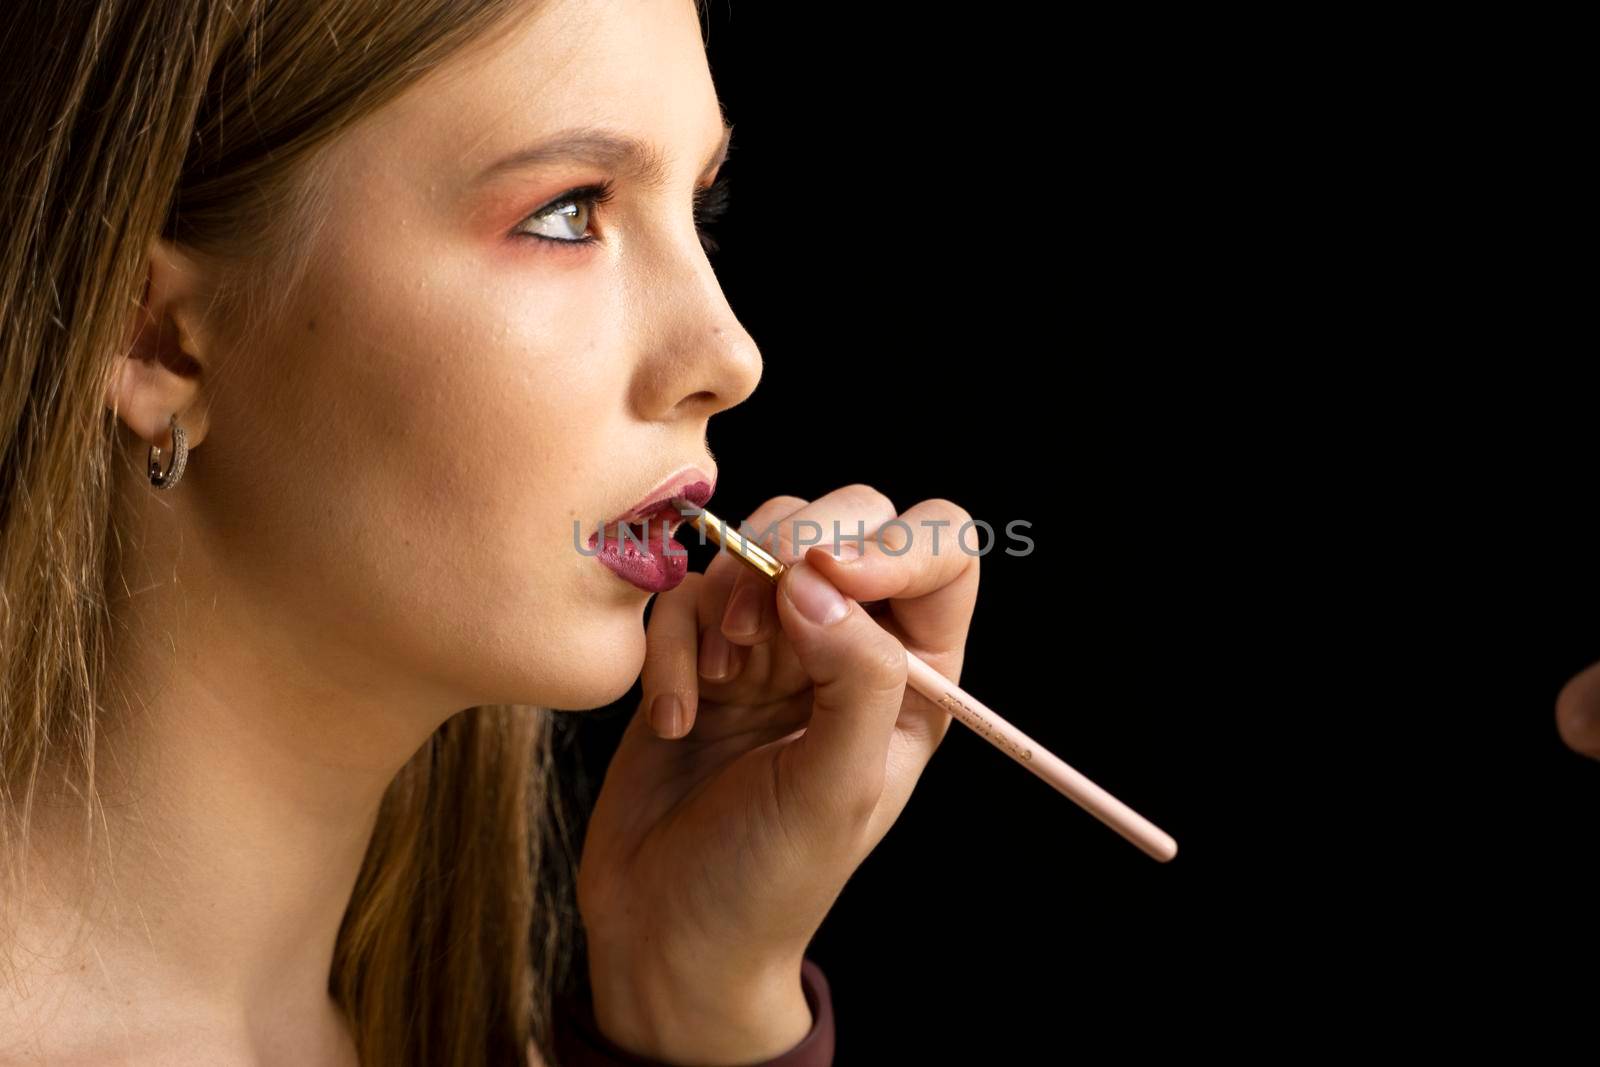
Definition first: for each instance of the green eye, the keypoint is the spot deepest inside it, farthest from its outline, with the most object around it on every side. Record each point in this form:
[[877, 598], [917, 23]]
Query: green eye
[[573, 206], [572, 213], [570, 210]]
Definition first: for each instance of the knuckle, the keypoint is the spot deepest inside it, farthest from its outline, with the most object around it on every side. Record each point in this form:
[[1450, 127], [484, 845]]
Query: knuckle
[[949, 509], [767, 526], [871, 498], [883, 665], [964, 535], [782, 505]]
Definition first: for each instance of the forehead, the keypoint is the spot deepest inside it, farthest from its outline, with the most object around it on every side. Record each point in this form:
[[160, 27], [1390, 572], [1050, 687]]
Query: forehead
[[635, 66]]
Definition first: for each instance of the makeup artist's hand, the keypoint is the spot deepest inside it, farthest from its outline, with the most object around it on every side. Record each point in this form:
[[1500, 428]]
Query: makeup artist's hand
[[1578, 712], [711, 859]]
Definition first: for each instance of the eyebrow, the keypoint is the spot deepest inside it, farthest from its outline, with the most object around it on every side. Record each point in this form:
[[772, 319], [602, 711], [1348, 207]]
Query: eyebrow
[[598, 146]]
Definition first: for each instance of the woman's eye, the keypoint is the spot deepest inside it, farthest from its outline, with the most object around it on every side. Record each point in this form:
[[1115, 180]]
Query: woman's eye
[[567, 215], [566, 220]]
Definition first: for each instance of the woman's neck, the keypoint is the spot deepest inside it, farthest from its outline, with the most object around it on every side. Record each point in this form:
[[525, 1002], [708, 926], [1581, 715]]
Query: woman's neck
[[238, 789]]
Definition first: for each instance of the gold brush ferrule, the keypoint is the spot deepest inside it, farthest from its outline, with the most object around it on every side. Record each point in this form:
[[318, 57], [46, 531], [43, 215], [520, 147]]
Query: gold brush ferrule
[[758, 558]]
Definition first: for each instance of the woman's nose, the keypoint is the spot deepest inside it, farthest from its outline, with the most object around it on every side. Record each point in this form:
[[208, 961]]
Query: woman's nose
[[698, 359]]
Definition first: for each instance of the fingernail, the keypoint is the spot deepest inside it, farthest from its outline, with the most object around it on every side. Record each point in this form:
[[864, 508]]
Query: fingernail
[[714, 653], [666, 715], [816, 597], [845, 551], [743, 617]]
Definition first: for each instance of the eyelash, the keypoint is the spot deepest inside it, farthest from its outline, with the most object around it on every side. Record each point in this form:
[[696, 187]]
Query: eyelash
[[710, 204]]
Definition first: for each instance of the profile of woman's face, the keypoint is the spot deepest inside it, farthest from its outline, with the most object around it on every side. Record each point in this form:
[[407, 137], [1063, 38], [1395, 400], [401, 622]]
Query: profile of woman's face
[[396, 471]]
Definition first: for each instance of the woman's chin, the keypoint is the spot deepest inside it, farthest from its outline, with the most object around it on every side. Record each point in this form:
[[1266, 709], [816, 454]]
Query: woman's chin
[[605, 666], [595, 659]]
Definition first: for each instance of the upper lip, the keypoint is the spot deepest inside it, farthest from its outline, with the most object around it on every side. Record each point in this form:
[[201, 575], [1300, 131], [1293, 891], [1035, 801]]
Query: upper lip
[[691, 482]]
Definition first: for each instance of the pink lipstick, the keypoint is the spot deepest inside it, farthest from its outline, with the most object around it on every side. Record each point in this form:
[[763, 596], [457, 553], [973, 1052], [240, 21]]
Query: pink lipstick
[[638, 545]]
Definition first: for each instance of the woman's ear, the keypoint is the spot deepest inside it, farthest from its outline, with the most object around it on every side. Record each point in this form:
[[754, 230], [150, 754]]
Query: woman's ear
[[168, 352]]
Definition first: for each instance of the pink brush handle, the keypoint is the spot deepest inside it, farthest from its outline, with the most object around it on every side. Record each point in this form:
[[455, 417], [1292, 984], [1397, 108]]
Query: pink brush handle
[[945, 693], [1148, 837]]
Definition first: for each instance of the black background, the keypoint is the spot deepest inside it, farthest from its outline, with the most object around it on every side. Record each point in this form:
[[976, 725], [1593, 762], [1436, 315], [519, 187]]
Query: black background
[[1312, 559]]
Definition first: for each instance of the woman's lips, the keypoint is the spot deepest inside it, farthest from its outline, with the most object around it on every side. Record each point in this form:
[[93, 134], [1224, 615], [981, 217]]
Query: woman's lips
[[692, 484], [645, 555], [639, 546]]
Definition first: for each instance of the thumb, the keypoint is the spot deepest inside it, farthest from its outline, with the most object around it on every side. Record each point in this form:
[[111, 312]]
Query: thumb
[[858, 674]]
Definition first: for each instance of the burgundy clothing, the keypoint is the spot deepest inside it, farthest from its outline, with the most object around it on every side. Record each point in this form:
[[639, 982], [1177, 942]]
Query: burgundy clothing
[[578, 1042]]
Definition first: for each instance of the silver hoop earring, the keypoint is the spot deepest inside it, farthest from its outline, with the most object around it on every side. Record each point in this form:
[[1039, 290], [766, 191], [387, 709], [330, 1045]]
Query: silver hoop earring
[[180, 456]]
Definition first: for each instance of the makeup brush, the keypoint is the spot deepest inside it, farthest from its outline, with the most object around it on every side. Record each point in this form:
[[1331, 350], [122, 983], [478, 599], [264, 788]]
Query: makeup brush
[[1145, 835]]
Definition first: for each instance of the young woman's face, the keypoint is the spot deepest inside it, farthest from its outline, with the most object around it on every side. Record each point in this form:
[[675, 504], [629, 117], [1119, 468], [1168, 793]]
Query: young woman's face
[[455, 388]]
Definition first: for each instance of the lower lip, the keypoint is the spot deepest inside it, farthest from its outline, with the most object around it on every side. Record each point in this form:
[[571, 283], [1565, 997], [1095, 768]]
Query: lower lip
[[643, 558]]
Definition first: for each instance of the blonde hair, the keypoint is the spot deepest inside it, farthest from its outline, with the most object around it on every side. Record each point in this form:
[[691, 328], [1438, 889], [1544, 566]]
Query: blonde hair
[[200, 120]]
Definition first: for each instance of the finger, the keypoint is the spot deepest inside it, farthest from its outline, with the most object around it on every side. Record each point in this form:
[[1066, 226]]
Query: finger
[[729, 579], [926, 563], [670, 682], [851, 511], [835, 770], [1578, 712], [724, 665], [926, 573]]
